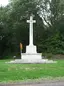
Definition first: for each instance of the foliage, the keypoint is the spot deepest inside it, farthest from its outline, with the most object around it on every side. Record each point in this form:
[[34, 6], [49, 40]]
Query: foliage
[[47, 55], [48, 30]]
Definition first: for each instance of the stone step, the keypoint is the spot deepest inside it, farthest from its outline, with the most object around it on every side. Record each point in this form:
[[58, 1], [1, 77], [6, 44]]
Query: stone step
[[35, 61]]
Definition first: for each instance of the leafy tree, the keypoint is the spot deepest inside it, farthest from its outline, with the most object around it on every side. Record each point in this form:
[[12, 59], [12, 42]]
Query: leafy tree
[[48, 30]]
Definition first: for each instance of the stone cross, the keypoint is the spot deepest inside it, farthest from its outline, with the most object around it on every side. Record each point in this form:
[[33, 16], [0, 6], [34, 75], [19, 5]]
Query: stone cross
[[31, 21]]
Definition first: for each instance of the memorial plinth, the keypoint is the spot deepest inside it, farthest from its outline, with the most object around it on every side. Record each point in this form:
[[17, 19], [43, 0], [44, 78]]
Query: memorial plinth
[[33, 56], [31, 53], [31, 49]]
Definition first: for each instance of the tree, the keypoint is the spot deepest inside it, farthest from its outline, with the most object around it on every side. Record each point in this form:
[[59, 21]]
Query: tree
[[48, 30]]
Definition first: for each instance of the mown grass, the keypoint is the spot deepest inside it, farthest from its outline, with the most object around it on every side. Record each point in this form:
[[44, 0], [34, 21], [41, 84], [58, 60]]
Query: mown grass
[[18, 72]]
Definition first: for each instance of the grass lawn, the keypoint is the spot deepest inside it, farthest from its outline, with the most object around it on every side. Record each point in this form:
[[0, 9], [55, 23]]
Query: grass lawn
[[18, 72]]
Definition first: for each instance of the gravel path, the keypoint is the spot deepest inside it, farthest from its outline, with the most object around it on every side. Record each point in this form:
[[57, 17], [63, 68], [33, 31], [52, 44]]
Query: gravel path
[[39, 83]]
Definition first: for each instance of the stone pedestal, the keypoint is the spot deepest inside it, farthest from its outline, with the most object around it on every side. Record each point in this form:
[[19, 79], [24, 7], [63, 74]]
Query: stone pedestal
[[35, 56], [31, 53], [31, 49]]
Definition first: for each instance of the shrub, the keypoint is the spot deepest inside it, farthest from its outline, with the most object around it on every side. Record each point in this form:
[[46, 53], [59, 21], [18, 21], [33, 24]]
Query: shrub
[[47, 55]]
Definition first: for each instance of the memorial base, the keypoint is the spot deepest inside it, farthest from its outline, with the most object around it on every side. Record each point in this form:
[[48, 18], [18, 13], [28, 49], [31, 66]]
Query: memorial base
[[31, 59], [29, 56], [31, 49]]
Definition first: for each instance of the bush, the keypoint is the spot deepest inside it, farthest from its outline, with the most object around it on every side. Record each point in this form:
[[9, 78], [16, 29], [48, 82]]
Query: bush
[[47, 55], [7, 57]]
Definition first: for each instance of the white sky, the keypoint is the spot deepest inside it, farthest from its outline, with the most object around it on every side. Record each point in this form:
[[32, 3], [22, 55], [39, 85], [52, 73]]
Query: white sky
[[3, 2]]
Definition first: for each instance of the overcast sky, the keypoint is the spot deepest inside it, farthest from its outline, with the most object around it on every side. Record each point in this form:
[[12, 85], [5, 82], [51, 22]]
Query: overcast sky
[[3, 2]]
